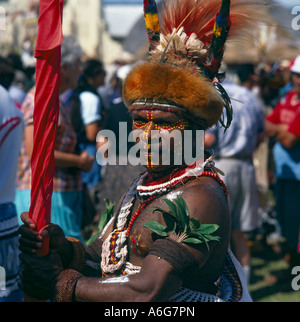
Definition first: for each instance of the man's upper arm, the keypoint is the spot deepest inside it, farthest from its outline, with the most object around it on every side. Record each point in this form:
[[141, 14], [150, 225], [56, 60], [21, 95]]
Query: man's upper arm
[[207, 203]]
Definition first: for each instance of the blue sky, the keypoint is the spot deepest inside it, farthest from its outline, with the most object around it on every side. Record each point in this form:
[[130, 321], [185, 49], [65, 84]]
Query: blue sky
[[128, 12], [289, 3]]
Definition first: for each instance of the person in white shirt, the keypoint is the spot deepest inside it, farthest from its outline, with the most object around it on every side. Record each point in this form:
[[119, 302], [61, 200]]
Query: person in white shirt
[[11, 132]]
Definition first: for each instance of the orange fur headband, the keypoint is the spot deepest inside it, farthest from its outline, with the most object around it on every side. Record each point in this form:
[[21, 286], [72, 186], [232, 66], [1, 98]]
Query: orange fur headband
[[184, 89]]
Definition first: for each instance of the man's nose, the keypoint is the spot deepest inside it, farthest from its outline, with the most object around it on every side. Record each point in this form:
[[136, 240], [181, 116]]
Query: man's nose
[[149, 131]]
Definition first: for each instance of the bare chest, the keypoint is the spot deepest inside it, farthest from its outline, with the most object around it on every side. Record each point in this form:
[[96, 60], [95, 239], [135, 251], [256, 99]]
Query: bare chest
[[141, 238]]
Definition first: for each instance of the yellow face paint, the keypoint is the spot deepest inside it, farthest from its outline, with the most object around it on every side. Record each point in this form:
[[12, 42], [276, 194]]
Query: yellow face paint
[[159, 125]]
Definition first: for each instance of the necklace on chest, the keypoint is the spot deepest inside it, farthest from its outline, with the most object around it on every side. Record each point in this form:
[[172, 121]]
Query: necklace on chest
[[115, 247]]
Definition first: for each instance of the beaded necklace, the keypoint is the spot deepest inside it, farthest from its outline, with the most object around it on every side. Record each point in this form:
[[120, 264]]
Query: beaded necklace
[[174, 183], [115, 250]]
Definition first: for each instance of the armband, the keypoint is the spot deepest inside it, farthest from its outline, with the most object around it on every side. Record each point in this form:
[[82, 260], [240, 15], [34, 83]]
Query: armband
[[174, 253], [64, 288], [79, 254]]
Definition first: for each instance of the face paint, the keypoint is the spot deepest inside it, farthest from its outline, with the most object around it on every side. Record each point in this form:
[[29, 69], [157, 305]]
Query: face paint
[[136, 243], [180, 125], [164, 127]]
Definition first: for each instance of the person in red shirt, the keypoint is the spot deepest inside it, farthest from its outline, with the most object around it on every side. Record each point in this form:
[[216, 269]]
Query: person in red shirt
[[284, 124]]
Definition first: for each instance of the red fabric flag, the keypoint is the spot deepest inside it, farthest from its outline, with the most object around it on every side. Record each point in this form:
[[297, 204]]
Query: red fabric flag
[[46, 111]]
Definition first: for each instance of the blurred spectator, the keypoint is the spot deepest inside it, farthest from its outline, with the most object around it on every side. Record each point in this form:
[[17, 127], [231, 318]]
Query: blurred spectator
[[234, 156], [111, 90], [66, 207], [87, 117], [18, 88], [7, 73], [284, 125], [117, 177], [11, 129], [118, 112]]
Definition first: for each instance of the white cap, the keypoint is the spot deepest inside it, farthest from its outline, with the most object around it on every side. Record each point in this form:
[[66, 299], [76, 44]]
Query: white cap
[[296, 66], [123, 71]]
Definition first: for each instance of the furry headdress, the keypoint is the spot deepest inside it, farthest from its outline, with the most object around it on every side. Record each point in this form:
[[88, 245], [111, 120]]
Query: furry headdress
[[185, 54]]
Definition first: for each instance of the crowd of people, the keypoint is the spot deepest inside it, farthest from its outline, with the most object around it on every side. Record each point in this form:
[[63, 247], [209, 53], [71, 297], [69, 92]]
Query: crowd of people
[[266, 108]]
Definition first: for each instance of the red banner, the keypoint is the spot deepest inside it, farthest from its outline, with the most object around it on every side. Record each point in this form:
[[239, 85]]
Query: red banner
[[46, 110]]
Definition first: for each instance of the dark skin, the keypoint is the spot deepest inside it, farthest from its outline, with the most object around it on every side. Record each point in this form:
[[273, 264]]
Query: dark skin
[[157, 280]]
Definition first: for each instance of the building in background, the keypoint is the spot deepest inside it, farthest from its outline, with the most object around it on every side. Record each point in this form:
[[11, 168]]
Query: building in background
[[108, 28], [100, 25]]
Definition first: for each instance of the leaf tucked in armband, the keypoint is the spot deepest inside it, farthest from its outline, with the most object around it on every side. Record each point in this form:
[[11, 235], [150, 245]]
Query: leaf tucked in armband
[[181, 227], [157, 228]]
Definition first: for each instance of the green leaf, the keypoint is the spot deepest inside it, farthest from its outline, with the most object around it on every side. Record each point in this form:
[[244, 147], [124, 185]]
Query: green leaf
[[194, 223], [170, 221], [193, 241], [207, 229], [104, 219], [157, 228], [182, 206], [178, 221], [211, 238], [206, 243], [181, 216], [107, 214], [195, 234], [163, 211], [172, 207], [93, 238]]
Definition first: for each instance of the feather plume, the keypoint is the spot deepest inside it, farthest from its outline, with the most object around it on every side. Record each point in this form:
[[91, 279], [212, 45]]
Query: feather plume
[[189, 42], [196, 31], [152, 22], [243, 15], [220, 34]]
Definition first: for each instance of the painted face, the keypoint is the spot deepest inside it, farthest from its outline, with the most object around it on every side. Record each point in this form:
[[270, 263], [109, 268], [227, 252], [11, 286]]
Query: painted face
[[162, 136]]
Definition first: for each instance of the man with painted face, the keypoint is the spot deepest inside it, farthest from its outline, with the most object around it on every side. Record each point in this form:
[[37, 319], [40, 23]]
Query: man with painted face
[[168, 239]]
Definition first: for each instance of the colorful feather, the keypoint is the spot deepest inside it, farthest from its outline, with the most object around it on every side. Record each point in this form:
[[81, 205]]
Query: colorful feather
[[243, 15], [227, 106], [220, 35], [152, 22]]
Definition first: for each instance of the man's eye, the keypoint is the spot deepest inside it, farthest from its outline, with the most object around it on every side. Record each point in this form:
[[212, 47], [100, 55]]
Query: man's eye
[[164, 124], [137, 122]]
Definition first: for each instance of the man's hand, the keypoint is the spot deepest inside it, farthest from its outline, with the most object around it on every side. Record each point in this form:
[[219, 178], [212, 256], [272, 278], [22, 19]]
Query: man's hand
[[85, 161], [39, 274], [31, 240]]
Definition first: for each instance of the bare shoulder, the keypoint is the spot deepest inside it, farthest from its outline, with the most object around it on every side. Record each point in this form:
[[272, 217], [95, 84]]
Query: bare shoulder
[[206, 200]]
